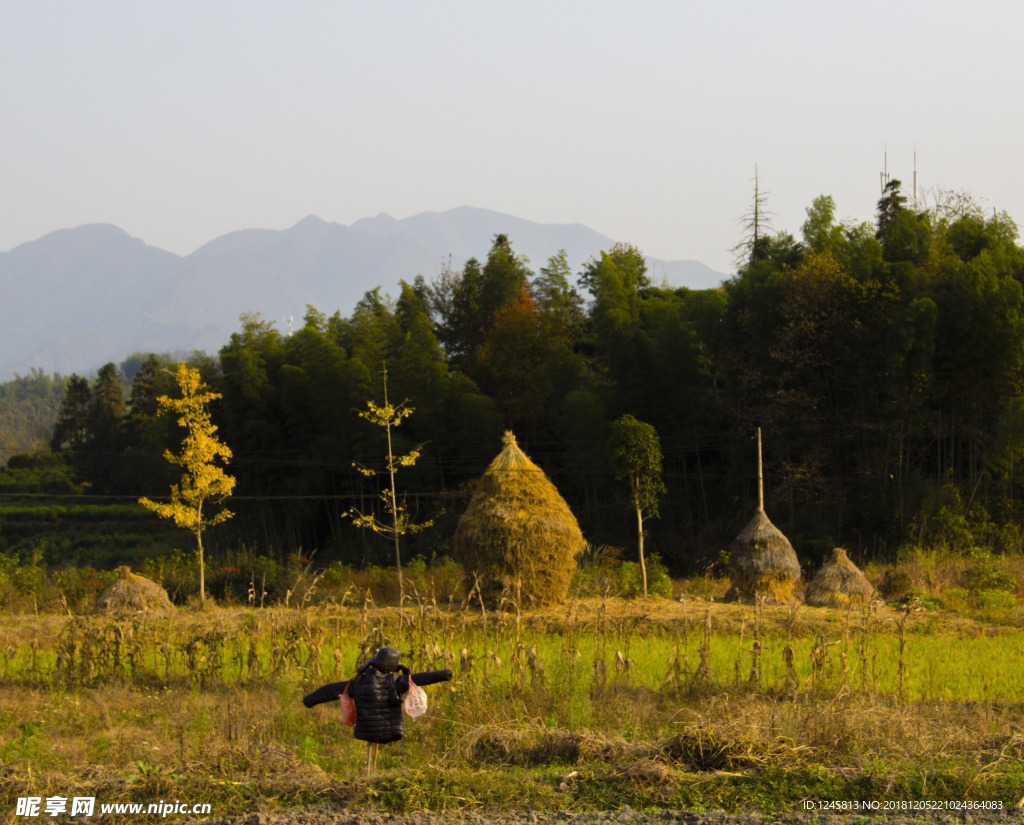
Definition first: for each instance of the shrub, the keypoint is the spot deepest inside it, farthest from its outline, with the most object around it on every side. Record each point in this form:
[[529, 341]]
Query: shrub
[[415, 573], [985, 573], [630, 579], [27, 580], [337, 578], [955, 599], [597, 570], [447, 576], [894, 583], [996, 600]]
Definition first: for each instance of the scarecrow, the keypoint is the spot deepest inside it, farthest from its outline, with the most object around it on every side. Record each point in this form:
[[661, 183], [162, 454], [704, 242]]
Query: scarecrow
[[377, 690]]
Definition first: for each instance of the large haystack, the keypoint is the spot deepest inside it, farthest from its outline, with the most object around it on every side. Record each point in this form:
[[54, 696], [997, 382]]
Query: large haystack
[[132, 594], [764, 564], [518, 536], [839, 583]]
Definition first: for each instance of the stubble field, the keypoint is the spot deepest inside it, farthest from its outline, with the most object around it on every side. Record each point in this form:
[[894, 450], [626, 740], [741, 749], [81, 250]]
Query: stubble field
[[596, 705]]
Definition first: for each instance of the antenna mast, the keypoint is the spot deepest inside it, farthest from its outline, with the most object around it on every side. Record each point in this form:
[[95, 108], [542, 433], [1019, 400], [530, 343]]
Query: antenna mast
[[915, 177]]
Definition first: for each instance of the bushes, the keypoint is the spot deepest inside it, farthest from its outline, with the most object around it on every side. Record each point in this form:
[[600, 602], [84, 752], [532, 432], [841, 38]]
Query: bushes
[[29, 588], [630, 579], [38, 473], [985, 573], [601, 572]]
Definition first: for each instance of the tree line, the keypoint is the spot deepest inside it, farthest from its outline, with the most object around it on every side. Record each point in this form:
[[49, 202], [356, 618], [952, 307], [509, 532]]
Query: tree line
[[882, 361]]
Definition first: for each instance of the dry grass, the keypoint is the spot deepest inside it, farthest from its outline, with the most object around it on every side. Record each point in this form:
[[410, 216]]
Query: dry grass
[[839, 583], [526, 697], [131, 594]]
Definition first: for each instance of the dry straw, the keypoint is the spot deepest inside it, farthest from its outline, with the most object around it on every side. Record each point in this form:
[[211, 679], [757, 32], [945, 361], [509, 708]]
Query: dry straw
[[839, 583], [132, 594], [518, 536], [764, 563]]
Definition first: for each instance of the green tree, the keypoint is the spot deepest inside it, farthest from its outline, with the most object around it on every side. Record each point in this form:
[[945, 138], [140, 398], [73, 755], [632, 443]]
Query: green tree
[[502, 279], [454, 300], [636, 456], [146, 432], [821, 232], [101, 454], [28, 411], [617, 281], [204, 480], [466, 304], [249, 365], [72, 425], [554, 292]]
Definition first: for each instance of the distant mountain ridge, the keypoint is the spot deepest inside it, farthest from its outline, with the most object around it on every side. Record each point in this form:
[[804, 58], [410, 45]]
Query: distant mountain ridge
[[78, 298]]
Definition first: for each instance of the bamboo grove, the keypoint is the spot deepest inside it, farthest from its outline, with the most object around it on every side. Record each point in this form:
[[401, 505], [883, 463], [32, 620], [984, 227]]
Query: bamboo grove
[[882, 361]]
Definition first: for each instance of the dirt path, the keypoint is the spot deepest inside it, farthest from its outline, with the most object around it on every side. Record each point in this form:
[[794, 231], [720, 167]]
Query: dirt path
[[627, 816]]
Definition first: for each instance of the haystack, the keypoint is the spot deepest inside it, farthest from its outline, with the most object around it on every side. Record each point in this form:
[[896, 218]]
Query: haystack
[[518, 536], [132, 594], [764, 564], [839, 583]]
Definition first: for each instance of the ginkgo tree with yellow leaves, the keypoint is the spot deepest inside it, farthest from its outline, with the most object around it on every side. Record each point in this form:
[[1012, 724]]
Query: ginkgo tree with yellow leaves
[[204, 481], [389, 416]]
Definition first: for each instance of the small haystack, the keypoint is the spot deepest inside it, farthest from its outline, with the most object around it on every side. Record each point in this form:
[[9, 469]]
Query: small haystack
[[132, 594], [839, 583], [764, 563], [518, 536]]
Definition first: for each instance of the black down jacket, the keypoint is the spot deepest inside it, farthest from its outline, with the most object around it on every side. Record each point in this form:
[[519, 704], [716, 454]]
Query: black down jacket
[[378, 698]]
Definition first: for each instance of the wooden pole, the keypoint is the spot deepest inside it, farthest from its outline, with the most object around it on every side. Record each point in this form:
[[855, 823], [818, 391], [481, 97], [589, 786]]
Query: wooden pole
[[760, 474]]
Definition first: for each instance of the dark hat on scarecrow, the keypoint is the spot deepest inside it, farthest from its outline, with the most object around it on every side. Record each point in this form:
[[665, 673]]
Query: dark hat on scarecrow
[[387, 658]]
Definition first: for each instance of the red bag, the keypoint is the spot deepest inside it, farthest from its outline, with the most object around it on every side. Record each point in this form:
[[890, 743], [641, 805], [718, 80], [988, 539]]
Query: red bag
[[348, 707]]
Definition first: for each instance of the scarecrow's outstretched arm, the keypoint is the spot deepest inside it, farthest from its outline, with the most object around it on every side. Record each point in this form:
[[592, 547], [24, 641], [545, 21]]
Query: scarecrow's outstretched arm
[[327, 693], [430, 677]]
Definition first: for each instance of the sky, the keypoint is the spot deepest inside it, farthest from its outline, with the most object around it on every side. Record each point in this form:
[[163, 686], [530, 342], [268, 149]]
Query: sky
[[180, 122]]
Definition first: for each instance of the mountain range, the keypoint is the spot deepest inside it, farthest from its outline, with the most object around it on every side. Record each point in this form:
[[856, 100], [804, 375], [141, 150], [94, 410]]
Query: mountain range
[[79, 298]]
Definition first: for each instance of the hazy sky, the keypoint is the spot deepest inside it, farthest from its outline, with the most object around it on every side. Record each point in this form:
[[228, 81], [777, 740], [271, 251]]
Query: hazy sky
[[182, 121]]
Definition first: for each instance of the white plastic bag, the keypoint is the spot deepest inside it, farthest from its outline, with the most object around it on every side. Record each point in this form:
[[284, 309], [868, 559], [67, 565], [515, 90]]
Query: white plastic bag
[[415, 700]]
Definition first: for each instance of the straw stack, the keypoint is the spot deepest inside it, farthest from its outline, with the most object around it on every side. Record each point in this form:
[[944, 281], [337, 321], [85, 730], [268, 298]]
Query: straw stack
[[839, 583], [518, 537], [133, 594]]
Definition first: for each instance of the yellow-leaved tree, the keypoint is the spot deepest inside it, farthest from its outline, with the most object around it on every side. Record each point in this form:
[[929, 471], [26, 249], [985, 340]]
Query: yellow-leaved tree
[[386, 417], [203, 480]]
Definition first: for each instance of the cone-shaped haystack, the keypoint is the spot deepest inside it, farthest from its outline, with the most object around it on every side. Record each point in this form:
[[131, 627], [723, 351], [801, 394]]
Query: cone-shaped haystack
[[839, 583], [518, 536], [764, 564], [132, 594]]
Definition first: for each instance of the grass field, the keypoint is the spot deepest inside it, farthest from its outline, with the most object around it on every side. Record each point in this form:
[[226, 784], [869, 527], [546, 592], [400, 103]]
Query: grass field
[[599, 703]]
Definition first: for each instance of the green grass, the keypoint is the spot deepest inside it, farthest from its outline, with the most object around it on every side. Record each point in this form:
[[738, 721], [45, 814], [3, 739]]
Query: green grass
[[592, 708], [244, 646]]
